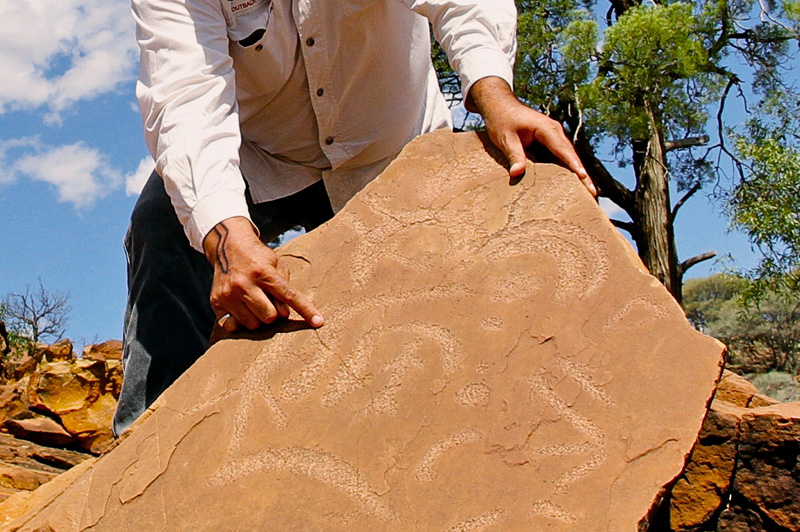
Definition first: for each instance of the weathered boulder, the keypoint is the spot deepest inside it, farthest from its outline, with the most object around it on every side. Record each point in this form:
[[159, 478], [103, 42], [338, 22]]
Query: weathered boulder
[[91, 425], [39, 429], [488, 362], [744, 472], [13, 401], [19, 367], [82, 394], [61, 350], [78, 395], [768, 464], [735, 390], [108, 350], [25, 466], [706, 481], [62, 387]]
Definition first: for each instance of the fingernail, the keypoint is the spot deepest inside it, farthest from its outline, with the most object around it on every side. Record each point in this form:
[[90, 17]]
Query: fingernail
[[316, 320]]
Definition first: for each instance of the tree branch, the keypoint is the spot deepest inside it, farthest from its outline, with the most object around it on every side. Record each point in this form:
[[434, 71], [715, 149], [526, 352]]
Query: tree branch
[[688, 142], [688, 263], [608, 186], [683, 200], [627, 226], [606, 183]]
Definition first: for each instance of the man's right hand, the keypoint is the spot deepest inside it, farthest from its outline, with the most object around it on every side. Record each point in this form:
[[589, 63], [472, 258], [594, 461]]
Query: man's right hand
[[250, 283]]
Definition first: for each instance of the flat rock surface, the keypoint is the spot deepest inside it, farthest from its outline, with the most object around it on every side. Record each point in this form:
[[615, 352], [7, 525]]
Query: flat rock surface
[[25, 465], [494, 358]]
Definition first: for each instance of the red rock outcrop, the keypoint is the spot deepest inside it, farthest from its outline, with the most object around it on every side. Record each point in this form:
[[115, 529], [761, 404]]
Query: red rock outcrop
[[25, 466], [743, 474], [487, 362], [57, 399], [39, 429], [108, 350], [61, 350]]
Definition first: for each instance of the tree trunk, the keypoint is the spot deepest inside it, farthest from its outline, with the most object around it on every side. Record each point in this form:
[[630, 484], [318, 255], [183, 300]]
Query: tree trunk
[[655, 236]]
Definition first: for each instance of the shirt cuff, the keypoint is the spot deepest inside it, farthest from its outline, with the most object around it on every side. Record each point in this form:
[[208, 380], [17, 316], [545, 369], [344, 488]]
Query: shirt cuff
[[483, 63], [210, 211]]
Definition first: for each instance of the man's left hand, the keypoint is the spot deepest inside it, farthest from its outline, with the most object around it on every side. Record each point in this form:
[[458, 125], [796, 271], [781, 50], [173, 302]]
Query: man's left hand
[[513, 126]]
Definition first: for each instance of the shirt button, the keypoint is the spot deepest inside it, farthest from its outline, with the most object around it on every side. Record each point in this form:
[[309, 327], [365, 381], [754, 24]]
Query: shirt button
[[329, 141], [310, 41], [259, 47], [320, 92]]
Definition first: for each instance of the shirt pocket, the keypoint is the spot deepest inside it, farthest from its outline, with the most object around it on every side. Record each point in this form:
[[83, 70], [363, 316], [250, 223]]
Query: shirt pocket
[[247, 20]]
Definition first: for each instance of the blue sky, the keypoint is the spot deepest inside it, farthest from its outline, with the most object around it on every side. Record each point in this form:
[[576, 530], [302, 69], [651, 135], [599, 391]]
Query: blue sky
[[72, 160]]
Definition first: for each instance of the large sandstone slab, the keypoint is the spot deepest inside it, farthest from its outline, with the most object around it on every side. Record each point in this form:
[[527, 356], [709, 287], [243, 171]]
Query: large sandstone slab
[[495, 358]]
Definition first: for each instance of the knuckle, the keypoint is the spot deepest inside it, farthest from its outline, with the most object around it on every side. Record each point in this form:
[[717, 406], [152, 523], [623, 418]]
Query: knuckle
[[267, 275], [259, 272], [239, 281], [218, 297], [290, 294]]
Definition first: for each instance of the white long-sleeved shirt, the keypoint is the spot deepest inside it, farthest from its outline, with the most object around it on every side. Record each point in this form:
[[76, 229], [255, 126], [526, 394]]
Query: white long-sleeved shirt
[[288, 92]]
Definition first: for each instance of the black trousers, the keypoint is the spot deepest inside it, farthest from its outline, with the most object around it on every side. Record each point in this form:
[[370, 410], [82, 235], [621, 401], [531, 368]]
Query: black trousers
[[168, 318]]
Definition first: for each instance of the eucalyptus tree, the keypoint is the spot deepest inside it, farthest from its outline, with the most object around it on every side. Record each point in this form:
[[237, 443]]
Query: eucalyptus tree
[[649, 83]]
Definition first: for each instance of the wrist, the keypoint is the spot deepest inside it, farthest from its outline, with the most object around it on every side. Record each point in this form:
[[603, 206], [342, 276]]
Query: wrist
[[230, 231], [487, 94]]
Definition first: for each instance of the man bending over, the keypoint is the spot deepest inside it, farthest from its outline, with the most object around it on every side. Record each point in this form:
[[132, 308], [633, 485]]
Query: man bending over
[[266, 114]]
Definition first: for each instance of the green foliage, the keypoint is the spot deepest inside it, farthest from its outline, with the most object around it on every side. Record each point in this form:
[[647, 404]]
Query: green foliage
[[766, 203], [556, 43], [761, 336], [778, 385], [791, 12], [647, 58], [18, 344], [711, 304], [655, 78]]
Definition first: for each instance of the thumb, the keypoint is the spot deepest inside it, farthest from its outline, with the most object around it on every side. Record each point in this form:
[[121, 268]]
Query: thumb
[[511, 147]]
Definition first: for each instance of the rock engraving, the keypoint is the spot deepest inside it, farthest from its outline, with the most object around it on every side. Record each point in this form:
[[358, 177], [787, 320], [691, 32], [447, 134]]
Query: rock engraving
[[479, 370]]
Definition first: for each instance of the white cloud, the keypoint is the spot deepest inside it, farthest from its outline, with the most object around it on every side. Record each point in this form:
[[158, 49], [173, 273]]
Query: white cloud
[[57, 53], [610, 208], [80, 174], [134, 182], [8, 151]]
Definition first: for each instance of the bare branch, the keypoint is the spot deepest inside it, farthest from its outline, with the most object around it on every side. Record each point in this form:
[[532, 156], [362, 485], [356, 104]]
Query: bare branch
[[720, 126], [688, 263], [607, 185], [688, 142], [39, 314], [683, 200]]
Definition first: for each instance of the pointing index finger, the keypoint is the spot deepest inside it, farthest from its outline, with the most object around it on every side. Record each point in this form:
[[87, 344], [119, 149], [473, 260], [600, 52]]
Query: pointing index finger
[[286, 293]]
